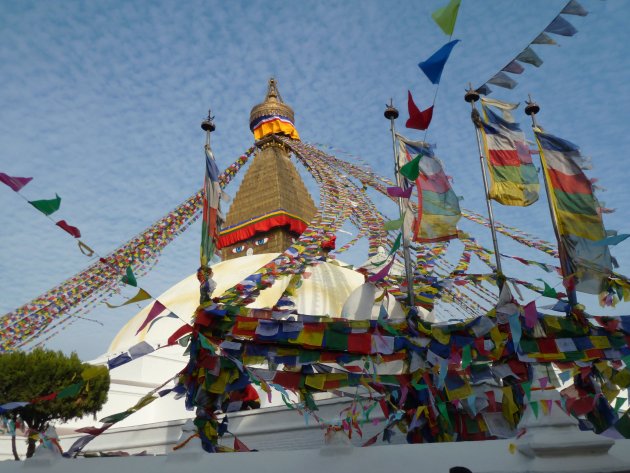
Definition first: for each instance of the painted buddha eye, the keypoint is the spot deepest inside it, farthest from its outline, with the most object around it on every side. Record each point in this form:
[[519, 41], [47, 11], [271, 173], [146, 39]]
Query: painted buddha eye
[[238, 249], [261, 241]]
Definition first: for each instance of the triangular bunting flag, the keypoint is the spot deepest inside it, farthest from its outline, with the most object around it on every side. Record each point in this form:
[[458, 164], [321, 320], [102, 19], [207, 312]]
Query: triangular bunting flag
[[530, 57], [574, 8], [156, 310], [514, 67], [561, 27], [434, 66], [446, 17], [47, 207], [484, 90], [142, 295], [411, 170], [15, 183], [543, 38], [74, 231], [419, 120], [129, 278], [503, 80]]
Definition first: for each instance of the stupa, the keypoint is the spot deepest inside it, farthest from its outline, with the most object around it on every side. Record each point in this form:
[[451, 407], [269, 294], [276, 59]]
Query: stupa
[[272, 206]]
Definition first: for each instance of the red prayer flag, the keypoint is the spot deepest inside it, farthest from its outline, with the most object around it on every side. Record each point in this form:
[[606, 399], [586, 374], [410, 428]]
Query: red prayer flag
[[420, 120], [15, 183], [240, 446], [74, 231], [156, 310]]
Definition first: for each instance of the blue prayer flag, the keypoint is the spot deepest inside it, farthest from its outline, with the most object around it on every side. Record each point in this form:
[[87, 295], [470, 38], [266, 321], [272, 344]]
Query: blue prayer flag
[[433, 66]]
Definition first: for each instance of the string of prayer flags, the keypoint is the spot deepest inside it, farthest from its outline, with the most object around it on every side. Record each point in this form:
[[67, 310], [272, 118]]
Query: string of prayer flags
[[438, 206], [559, 26], [74, 231], [14, 182], [580, 224], [446, 16], [82, 291], [513, 177], [47, 207], [419, 120], [434, 66]]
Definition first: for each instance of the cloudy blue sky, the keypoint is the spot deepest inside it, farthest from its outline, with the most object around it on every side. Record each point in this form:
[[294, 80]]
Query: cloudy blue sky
[[101, 103]]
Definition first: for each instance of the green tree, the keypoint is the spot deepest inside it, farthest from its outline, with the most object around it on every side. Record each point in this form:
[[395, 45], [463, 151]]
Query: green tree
[[80, 388]]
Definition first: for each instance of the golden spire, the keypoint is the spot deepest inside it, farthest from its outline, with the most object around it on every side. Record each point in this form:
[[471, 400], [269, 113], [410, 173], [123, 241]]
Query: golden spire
[[272, 105]]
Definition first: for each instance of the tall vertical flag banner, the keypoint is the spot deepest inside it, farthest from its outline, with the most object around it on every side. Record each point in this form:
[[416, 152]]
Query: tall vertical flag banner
[[580, 226], [513, 177], [211, 199], [438, 206]]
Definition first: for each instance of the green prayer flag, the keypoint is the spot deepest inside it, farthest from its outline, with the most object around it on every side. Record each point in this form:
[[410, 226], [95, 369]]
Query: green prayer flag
[[549, 291], [116, 417], [527, 387], [623, 425], [411, 170], [129, 278], [619, 402], [396, 244], [534, 406], [70, 391], [47, 207], [466, 356], [446, 16], [442, 408], [393, 224]]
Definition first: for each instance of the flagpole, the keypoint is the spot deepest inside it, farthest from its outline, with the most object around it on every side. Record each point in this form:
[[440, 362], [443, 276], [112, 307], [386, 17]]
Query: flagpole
[[531, 109], [471, 97], [391, 113]]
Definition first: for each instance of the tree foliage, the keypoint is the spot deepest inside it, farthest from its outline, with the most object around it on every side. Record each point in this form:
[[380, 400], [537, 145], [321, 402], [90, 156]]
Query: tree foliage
[[80, 388]]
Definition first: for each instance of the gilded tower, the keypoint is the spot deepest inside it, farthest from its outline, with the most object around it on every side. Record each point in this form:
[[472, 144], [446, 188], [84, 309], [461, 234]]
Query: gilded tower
[[272, 206]]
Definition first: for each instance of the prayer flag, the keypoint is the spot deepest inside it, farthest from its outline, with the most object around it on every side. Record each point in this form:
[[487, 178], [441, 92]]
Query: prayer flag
[[530, 57], [577, 210], [503, 80], [74, 231], [14, 182], [419, 120], [129, 277], [211, 199], [438, 206], [47, 207], [561, 27], [574, 8], [142, 295], [446, 16], [156, 310], [434, 66], [513, 177], [543, 38], [514, 67]]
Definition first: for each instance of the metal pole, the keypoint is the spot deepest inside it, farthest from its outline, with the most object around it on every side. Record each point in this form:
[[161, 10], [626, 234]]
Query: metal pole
[[472, 96], [391, 113], [532, 109]]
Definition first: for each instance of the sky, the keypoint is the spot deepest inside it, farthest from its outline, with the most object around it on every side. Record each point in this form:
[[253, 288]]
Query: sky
[[102, 101]]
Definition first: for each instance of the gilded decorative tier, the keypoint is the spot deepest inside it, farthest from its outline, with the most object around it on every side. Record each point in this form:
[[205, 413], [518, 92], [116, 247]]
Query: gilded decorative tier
[[272, 105]]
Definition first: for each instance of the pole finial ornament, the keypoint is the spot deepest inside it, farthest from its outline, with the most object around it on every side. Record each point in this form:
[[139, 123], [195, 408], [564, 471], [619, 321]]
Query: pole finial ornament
[[208, 124], [391, 112], [532, 107]]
